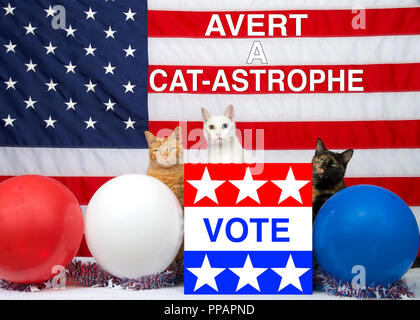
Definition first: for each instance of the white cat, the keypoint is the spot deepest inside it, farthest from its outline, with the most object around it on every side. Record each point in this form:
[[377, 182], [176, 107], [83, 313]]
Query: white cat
[[222, 143]]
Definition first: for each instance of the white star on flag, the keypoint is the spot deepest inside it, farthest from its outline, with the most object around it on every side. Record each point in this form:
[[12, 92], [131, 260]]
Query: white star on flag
[[50, 48], [90, 123], [30, 103], [206, 187], [9, 10], [90, 86], [90, 14], [50, 11], [206, 275], [129, 51], [70, 31], [129, 123], [50, 122], [90, 50], [70, 67], [290, 275], [248, 274], [70, 104], [10, 47], [248, 187], [129, 15], [109, 68], [129, 87], [109, 105], [109, 33], [51, 85], [8, 121], [31, 66], [10, 84], [290, 187], [30, 29]]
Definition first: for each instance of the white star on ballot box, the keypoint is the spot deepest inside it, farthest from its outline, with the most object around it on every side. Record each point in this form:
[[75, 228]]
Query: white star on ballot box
[[248, 229]]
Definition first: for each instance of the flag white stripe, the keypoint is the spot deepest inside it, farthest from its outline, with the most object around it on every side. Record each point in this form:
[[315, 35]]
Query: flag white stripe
[[114, 162], [89, 162], [285, 51], [416, 212], [288, 107], [243, 5]]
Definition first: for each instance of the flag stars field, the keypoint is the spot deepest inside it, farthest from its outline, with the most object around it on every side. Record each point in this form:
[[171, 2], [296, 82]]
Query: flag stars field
[[52, 40]]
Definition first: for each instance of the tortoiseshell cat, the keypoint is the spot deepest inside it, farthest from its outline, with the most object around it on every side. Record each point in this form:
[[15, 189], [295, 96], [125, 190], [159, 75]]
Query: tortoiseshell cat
[[167, 164], [328, 169]]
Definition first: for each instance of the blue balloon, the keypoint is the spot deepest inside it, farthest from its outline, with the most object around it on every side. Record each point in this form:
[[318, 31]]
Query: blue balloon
[[365, 226]]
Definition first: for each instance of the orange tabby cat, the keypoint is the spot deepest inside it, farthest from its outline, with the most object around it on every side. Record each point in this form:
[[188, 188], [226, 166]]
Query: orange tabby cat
[[167, 164]]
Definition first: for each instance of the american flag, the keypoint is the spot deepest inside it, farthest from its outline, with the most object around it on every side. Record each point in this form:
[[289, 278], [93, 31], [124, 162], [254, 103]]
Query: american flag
[[75, 95]]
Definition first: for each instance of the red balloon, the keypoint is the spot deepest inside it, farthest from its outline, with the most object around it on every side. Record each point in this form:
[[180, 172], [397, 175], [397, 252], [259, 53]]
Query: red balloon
[[41, 226]]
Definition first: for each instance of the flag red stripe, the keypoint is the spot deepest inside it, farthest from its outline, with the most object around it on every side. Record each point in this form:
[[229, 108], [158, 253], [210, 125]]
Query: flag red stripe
[[83, 249], [406, 187], [302, 135], [320, 23], [375, 78]]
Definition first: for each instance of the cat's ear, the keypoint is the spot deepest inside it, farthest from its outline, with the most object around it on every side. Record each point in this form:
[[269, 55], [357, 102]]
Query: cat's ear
[[320, 147], [150, 137], [346, 155], [229, 112], [206, 114], [176, 134]]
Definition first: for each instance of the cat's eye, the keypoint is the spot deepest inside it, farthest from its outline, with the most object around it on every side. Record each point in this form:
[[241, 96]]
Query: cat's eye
[[211, 127], [157, 150], [224, 126], [172, 149]]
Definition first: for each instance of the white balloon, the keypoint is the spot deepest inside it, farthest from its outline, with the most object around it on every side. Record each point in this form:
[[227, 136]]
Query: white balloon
[[134, 226]]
